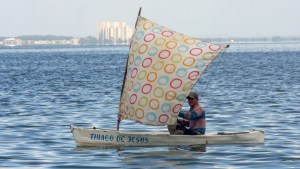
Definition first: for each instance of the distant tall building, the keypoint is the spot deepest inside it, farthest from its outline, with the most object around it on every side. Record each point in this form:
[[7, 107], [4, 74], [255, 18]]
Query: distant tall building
[[113, 33]]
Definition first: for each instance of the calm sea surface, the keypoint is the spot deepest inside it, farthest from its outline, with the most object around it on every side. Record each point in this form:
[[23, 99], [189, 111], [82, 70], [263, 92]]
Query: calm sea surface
[[43, 90]]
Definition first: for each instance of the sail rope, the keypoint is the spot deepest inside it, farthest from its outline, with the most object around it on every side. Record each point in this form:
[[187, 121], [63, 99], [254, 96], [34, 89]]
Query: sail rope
[[213, 72]]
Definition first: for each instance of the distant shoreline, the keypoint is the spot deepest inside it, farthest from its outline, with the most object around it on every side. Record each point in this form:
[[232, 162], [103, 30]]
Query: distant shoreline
[[39, 40]]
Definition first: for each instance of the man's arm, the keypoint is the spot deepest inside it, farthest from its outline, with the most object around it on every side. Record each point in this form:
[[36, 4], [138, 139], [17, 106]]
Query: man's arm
[[192, 115]]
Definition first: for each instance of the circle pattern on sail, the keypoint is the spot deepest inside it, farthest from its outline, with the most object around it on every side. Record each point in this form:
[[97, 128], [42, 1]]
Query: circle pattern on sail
[[163, 67]]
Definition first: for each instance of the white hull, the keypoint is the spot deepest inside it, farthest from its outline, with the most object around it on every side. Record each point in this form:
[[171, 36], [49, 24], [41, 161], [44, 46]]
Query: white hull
[[98, 137]]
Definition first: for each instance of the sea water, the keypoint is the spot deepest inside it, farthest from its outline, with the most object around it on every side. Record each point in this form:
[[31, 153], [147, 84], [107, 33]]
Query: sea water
[[45, 89]]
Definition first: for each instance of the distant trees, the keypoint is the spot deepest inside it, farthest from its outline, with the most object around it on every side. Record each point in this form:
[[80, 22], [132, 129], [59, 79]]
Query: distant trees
[[88, 41], [53, 40], [44, 37]]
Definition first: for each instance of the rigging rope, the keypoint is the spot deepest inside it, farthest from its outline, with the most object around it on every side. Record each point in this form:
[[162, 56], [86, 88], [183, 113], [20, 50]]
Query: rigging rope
[[213, 72]]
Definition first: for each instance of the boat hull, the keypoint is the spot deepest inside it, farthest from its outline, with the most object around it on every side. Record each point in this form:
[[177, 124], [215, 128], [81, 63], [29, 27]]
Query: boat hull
[[99, 137]]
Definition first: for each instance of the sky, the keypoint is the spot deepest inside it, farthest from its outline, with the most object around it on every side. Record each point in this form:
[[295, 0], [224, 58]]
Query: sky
[[198, 18]]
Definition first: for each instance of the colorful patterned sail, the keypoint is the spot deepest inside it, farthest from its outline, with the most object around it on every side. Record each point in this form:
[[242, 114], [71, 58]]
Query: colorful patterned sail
[[162, 68]]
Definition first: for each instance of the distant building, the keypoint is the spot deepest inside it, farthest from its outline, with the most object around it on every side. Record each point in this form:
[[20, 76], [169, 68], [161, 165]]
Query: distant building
[[75, 41], [17, 42], [12, 42], [113, 33]]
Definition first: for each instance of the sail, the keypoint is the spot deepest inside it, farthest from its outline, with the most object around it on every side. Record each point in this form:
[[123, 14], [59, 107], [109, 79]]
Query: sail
[[162, 68]]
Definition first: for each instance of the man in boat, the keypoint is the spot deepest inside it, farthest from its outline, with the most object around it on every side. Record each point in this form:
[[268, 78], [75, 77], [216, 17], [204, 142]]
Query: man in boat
[[196, 122]]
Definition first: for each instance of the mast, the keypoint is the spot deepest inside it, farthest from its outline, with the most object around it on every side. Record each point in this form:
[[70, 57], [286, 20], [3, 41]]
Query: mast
[[124, 78]]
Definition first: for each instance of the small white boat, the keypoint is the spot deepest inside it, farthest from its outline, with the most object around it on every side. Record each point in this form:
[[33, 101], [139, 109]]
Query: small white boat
[[162, 68], [98, 137]]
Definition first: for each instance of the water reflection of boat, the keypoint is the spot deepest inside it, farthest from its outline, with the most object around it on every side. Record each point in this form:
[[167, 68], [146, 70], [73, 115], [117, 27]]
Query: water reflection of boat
[[198, 148], [166, 157]]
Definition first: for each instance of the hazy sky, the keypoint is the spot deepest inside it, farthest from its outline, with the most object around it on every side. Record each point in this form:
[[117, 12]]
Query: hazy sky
[[199, 18]]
